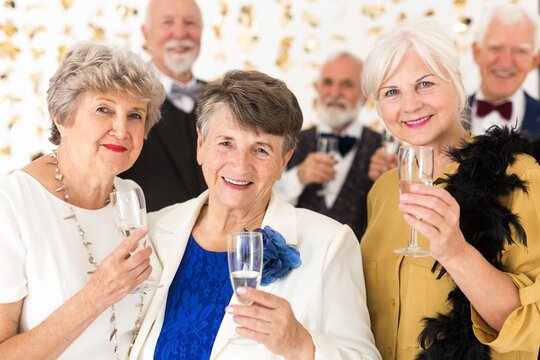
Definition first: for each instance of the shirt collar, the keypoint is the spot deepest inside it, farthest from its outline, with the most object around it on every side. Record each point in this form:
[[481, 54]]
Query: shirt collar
[[354, 129], [168, 82]]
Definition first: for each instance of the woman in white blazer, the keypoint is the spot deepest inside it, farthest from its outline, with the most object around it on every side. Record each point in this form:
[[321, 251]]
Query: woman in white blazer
[[247, 126]]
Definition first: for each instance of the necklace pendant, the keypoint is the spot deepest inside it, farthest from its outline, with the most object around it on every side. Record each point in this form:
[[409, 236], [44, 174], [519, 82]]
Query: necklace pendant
[[61, 188], [112, 334], [91, 260], [91, 272], [58, 176], [69, 217]]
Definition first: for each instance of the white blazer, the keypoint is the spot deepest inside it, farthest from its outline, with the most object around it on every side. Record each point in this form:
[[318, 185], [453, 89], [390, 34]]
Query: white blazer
[[326, 293]]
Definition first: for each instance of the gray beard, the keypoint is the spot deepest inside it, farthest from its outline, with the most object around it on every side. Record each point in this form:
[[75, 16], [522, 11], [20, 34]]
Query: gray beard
[[179, 64], [338, 120]]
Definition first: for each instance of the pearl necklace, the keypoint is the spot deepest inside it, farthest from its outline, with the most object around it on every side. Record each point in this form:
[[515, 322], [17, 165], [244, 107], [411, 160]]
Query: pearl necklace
[[87, 245]]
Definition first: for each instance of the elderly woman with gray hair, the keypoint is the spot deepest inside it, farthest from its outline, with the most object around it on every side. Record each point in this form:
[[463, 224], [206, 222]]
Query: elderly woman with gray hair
[[312, 300], [65, 270]]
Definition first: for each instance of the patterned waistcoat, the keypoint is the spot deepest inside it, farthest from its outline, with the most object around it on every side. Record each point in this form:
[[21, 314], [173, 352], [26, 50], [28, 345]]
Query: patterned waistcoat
[[350, 206]]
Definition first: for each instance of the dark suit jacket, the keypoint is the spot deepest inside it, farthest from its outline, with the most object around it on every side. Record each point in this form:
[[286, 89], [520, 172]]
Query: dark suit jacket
[[531, 120], [350, 206], [167, 168]]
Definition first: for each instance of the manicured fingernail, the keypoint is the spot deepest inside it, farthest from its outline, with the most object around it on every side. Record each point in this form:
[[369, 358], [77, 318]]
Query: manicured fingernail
[[241, 290], [229, 309], [403, 197]]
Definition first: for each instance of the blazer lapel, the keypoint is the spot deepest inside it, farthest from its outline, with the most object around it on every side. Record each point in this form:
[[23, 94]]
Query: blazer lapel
[[531, 118], [281, 216]]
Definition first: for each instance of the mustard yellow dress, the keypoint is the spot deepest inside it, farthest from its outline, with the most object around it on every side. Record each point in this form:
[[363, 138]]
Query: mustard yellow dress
[[401, 291]]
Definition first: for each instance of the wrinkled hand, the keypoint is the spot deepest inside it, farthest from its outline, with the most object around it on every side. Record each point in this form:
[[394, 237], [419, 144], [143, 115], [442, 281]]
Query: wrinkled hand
[[271, 322], [380, 163], [120, 272], [434, 213], [317, 168]]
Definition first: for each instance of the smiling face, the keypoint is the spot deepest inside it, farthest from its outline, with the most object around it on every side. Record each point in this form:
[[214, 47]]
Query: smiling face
[[505, 58], [418, 106], [339, 91], [106, 133], [240, 166], [173, 35]]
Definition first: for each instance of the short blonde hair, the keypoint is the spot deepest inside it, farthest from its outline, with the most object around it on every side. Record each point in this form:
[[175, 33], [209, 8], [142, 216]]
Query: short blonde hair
[[429, 40], [92, 67]]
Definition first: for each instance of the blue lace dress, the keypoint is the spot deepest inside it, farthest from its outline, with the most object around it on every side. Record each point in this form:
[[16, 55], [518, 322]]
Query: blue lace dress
[[196, 303]]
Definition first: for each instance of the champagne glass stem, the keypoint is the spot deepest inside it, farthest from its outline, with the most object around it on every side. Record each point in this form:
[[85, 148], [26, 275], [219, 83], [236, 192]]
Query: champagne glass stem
[[413, 240]]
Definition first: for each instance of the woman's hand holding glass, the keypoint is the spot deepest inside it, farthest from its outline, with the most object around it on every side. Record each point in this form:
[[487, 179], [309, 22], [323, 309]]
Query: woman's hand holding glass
[[415, 166], [129, 209], [435, 214], [271, 322], [245, 259], [120, 273]]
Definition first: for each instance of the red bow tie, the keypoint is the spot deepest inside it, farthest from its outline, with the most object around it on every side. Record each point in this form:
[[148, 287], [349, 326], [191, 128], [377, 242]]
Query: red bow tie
[[483, 108]]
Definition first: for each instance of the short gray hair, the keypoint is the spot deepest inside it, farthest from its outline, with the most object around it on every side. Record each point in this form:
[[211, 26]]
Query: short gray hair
[[429, 40], [97, 67], [508, 14], [257, 101], [339, 55]]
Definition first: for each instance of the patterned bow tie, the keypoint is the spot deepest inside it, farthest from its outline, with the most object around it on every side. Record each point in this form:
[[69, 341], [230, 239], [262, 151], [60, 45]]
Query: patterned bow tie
[[483, 108], [191, 91], [345, 143]]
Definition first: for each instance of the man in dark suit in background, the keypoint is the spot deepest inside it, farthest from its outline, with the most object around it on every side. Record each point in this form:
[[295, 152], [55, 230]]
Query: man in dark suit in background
[[167, 168], [506, 50], [345, 177]]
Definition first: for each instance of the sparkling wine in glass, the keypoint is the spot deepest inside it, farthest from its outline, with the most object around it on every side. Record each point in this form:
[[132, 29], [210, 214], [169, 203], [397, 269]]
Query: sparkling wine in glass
[[129, 210], [245, 258], [328, 145], [390, 142], [415, 165]]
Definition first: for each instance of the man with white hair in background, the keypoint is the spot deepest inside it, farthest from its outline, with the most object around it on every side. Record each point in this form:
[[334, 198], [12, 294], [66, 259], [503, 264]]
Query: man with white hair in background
[[344, 175], [506, 49], [167, 168]]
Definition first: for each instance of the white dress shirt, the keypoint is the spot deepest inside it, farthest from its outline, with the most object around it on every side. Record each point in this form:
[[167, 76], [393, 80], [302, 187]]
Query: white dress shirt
[[184, 103], [290, 187], [481, 124]]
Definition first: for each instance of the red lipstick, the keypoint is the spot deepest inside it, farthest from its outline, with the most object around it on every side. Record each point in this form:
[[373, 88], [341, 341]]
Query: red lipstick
[[115, 148]]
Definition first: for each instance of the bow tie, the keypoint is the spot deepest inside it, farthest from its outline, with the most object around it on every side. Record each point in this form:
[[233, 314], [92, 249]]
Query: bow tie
[[345, 143], [192, 91], [483, 108]]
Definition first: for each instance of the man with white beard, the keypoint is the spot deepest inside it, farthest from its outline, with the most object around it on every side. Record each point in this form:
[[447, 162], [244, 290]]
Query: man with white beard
[[345, 174], [167, 168]]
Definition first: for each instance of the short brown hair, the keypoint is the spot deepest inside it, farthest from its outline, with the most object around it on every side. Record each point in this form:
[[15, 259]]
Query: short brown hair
[[257, 101]]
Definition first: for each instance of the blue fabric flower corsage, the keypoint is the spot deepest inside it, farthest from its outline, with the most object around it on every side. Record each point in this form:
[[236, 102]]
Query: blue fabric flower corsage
[[279, 258]]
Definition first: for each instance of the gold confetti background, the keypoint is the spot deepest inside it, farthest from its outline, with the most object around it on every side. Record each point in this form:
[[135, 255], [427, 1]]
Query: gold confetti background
[[284, 38]]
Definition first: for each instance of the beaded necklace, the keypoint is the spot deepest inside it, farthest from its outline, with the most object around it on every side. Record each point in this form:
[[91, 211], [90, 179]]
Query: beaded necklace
[[87, 245]]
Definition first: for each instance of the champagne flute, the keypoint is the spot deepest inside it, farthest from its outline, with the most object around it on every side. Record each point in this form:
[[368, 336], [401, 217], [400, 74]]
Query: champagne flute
[[129, 210], [328, 145], [390, 142], [415, 165], [245, 258]]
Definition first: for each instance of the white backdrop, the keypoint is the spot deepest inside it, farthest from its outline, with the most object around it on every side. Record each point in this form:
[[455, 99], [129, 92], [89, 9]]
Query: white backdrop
[[284, 38]]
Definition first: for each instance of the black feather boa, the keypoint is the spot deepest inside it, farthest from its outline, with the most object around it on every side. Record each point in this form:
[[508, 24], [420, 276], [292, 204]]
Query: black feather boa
[[477, 186]]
